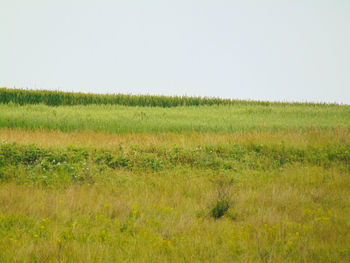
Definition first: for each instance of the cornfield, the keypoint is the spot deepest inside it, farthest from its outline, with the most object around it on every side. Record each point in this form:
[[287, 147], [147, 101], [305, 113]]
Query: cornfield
[[56, 98]]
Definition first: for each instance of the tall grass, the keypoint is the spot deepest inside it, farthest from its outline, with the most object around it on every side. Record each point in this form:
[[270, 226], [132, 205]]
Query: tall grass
[[123, 119]]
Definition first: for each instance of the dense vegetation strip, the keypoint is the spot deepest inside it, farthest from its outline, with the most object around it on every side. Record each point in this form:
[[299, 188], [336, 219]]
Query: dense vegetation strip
[[56, 98], [75, 162]]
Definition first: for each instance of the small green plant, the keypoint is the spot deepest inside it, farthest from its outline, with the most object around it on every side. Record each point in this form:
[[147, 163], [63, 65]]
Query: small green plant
[[221, 207], [223, 201]]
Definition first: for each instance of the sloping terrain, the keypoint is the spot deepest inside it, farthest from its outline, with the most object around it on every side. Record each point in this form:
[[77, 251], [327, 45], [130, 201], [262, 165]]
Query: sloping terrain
[[234, 182]]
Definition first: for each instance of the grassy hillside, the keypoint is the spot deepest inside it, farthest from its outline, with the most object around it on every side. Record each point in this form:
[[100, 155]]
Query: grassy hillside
[[221, 183]]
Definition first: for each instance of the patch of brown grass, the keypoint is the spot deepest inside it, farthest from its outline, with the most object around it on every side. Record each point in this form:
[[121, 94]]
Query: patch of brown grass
[[339, 136]]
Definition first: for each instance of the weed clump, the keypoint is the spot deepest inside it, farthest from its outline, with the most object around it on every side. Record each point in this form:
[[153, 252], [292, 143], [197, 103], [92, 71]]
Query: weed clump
[[221, 207], [223, 201]]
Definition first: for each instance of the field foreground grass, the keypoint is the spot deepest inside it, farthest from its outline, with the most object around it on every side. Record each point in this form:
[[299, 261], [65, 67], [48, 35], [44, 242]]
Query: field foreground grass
[[99, 197]]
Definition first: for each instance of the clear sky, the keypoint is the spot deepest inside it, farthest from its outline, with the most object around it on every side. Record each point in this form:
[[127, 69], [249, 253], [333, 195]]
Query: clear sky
[[297, 50]]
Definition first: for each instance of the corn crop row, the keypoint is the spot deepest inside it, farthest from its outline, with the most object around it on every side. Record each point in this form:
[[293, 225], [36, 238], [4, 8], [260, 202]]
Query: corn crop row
[[56, 98]]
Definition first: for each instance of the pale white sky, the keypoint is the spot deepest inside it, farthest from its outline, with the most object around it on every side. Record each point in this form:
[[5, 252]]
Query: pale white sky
[[297, 50]]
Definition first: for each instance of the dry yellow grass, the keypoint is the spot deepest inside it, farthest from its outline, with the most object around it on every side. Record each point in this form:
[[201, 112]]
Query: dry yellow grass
[[338, 136]]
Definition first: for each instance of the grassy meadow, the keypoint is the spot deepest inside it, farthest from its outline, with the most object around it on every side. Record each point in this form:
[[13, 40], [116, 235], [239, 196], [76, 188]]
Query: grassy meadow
[[214, 182], [217, 119]]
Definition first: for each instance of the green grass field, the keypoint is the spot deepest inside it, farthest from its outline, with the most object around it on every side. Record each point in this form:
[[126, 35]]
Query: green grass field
[[236, 182], [123, 119]]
